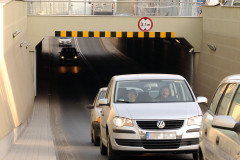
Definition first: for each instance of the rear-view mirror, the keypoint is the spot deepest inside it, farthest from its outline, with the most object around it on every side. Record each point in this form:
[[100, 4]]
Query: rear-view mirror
[[90, 106], [102, 102], [226, 122], [202, 100]]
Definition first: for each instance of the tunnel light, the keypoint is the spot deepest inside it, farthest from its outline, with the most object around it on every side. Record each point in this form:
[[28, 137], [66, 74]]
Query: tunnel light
[[16, 33], [28, 45], [177, 41], [191, 50], [23, 43], [212, 47]]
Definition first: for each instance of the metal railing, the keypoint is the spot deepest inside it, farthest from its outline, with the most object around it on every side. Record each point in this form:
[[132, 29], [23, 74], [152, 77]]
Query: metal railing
[[116, 8]]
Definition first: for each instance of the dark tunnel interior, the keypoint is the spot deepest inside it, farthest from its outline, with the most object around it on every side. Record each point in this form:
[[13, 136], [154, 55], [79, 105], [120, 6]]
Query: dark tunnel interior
[[71, 87], [132, 55]]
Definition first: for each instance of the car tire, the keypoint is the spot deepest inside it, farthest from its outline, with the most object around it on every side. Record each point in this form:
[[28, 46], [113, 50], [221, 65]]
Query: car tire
[[112, 155], [103, 149], [198, 155], [96, 140], [92, 135]]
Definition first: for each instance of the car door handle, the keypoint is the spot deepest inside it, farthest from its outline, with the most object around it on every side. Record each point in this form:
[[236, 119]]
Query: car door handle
[[217, 140]]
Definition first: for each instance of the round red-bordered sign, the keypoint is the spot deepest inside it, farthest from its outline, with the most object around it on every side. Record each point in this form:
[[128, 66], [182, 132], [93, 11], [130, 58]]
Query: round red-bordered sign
[[145, 24]]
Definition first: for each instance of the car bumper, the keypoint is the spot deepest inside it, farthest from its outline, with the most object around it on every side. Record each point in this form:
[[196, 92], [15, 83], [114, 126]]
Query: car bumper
[[65, 44], [134, 139]]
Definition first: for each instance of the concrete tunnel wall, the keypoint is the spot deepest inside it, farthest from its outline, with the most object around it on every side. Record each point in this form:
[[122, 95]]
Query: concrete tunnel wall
[[221, 28], [16, 75]]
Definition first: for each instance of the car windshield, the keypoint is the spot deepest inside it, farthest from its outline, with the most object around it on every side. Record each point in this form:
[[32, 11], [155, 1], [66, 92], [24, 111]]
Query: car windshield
[[152, 91], [63, 38], [73, 50]]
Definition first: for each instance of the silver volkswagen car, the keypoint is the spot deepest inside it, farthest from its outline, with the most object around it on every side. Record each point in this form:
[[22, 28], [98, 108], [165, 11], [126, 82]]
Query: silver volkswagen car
[[149, 113]]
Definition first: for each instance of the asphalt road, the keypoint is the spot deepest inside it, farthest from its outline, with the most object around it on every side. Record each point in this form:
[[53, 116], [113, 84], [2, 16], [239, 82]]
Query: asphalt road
[[72, 87]]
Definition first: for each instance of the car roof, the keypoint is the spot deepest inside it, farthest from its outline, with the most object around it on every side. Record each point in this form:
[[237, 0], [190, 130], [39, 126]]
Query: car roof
[[147, 76], [231, 78]]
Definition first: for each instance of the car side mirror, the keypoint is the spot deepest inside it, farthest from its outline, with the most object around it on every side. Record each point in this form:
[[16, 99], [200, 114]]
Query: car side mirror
[[102, 102], [90, 106], [202, 100], [226, 122]]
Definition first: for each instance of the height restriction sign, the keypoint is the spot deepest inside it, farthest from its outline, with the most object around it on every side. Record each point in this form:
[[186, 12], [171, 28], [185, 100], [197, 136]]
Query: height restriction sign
[[145, 24]]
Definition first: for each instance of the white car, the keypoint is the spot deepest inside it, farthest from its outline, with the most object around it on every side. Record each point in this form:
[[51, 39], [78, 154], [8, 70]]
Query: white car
[[220, 131], [95, 116], [150, 113], [65, 41]]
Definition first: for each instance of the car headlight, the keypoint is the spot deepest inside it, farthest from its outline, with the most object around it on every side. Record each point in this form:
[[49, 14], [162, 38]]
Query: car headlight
[[75, 57], [120, 122], [196, 120], [62, 57], [69, 41], [60, 41]]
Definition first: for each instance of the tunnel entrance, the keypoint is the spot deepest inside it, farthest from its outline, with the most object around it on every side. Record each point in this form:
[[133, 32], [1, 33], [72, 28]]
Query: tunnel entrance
[[102, 58], [72, 86]]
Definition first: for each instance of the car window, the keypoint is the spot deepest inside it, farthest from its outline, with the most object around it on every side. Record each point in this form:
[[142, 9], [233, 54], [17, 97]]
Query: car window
[[226, 100], [216, 98], [108, 92], [68, 49], [152, 91], [235, 107]]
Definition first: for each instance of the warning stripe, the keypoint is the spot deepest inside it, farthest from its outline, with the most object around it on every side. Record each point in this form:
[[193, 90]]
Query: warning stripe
[[115, 34]]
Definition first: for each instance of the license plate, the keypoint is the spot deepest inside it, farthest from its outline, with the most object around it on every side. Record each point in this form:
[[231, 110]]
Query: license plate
[[161, 135]]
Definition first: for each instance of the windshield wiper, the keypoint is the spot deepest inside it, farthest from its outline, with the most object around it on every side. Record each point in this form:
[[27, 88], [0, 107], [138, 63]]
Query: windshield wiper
[[122, 101]]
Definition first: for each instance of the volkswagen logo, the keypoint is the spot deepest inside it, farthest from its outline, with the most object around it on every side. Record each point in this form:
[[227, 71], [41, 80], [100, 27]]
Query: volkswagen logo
[[160, 124]]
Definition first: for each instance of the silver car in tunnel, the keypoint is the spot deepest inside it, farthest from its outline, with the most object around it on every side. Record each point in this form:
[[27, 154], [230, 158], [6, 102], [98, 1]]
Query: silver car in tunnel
[[95, 116], [150, 113]]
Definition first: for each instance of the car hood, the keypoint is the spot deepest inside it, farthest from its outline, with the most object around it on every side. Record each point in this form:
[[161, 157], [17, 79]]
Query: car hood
[[158, 110]]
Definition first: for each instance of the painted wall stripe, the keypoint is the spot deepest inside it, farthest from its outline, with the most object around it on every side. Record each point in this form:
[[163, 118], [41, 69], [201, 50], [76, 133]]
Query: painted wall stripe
[[63, 34], [96, 34], [85, 34], [162, 34], [114, 34], [69, 34], [74, 34], [140, 34], [129, 34], [107, 34], [119, 34]]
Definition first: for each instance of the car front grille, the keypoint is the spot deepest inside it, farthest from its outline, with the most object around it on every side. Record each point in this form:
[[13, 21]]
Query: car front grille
[[157, 144], [169, 124]]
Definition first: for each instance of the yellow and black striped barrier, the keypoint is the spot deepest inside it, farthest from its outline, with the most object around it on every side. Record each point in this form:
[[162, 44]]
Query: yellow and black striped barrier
[[115, 34]]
